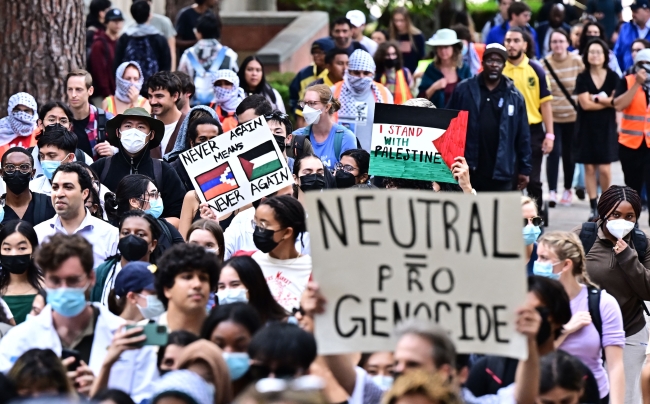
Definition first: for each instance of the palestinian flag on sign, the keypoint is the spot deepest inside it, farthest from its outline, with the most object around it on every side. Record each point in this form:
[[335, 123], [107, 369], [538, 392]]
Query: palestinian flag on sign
[[260, 161]]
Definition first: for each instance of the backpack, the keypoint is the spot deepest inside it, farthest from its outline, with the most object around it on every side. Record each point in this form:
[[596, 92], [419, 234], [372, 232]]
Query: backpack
[[139, 49], [298, 142], [588, 235], [101, 127], [157, 173], [40, 207], [203, 81]]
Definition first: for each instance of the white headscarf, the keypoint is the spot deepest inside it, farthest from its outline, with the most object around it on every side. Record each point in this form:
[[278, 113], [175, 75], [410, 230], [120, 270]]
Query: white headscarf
[[228, 100], [185, 382], [360, 60], [18, 123], [122, 86]]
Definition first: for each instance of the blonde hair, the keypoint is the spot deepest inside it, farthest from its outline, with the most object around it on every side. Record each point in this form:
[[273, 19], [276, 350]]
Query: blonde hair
[[410, 28], [525, 200], [567, 245], [326, 96], [434, 386]]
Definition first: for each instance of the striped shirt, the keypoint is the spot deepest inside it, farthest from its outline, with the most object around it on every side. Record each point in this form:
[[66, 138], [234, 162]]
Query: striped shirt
[[567, 71]]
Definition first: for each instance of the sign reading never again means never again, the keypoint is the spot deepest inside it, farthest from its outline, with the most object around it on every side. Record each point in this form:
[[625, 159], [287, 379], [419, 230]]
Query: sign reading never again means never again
[[416, 143], [238, 167], [381, 257]]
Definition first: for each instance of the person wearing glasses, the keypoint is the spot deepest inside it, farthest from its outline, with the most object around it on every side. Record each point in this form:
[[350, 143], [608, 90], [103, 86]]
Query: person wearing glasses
[[498, 136], [352, 169], [638, 45], [19, 202], [531, 231]]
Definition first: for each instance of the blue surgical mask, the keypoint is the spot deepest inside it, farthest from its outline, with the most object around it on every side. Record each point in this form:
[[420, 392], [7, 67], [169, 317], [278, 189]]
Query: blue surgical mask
[[238, 364], [49, 167], [2, 213], [154, 307], [68, 302], [544, 269], [155, 207], [384, 382], [227, 296], [465, 49], [531, 233]]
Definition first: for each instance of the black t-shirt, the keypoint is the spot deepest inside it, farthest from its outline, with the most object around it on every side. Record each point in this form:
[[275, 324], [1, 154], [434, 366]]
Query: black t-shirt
[[34, 204], [491, 106], [186, 22], [79, 129], [354, 46]]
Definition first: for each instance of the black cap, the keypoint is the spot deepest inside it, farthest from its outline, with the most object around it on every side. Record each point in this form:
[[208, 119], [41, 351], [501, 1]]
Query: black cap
[[640, 4], [114, 14]]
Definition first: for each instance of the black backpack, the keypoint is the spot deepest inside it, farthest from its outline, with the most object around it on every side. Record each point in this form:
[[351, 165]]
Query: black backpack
[[157, 173], [139, 49]]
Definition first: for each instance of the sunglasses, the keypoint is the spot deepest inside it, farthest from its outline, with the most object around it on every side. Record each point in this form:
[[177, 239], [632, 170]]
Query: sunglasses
[[259, 372], [535, 221]]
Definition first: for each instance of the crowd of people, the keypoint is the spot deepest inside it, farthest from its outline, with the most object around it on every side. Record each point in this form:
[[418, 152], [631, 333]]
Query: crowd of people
[[119, 285]]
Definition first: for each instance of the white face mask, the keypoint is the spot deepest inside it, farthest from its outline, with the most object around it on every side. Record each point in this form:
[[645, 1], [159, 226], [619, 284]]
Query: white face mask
[[227, 296], [311, 115], [133, 140], [384, 382], [619, 228], [154, 307]]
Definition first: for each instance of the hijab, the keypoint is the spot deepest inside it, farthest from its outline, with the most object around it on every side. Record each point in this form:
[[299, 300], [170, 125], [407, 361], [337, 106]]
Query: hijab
[[210, 354], [122, 86]]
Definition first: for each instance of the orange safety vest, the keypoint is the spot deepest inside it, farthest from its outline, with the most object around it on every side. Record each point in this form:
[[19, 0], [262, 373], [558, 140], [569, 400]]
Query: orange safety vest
[[227, 119], [635, 124], [402, 91], [112, 107], [383, 91], [480, 50], [21, 141]]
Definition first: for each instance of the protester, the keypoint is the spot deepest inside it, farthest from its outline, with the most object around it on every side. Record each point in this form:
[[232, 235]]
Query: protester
[[56, 145], [531, 231], [241, 280], [143, 44], [129, 81], [352, 169], [67, 263], [185, 277], [379, 366], [70, 187], [341, 35], [136, 133], [200, 130], [637, 46], [207, 234], [206, 359], [530, 79], [336, 63], [227, 97], [545, 29], [102, 53], [588, 343], [231, 327], [495, 153], [19, 127], [89, 123], [607, 13], [113, 396], [320, 48], [618, 210], [163, 24], [187, 19], [187, 92], [328, 138], [168, 355], [410, 39], [358, 20], [562, 68], [446, 70], [182, 143], [357, 95], [309, 174], [498, 19], [40, 300], [422, 386], [472, 52], [253, 81], [183, 386], [164, 89], [19, 202], [252, 107], [206, 57], [519, 14], [39, 372], [631, 99], [379, 36], [97, 10], [561, 376], [20, 279], [282, 129], [392, 73], [592, 30], [631, 30], [596, 124]]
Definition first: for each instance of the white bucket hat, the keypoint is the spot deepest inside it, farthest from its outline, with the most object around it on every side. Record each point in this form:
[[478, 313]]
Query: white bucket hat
[[444, 37]]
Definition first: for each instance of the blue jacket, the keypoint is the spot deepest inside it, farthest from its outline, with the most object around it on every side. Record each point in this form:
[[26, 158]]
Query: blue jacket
[[498, 35], [513, 154], [432, 74], [623, 48]]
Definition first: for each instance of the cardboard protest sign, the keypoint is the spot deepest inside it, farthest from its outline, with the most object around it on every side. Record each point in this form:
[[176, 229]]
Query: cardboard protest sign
[[416, 143], [382, 257], [238, 167]]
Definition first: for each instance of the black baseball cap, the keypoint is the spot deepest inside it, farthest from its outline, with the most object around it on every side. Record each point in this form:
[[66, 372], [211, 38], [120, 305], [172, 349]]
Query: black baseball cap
[[640, 4], [114, 14]]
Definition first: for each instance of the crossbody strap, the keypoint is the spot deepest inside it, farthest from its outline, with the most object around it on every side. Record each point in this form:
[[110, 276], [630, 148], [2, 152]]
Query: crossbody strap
[[559, 84]]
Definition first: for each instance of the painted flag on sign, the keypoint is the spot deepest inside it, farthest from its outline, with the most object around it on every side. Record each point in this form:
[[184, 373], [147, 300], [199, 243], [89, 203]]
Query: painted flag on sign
[[260, 161], [217, 181]]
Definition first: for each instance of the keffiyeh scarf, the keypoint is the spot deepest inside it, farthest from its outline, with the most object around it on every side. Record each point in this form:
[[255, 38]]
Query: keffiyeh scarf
[[18, 123], [355, 86], [122, 86], [228, 100]]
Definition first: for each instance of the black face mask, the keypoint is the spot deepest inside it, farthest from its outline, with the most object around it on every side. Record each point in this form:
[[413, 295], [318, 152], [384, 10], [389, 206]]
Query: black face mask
[[390, 63], [17, 182], [16, 264], [263, 240], [312, 182], [280, 141], [344, 179], [133, 248], [544, 332]]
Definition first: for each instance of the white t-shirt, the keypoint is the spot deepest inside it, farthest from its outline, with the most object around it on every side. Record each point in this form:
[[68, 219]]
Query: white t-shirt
[[169, 131], [287, 279], [369, 44]]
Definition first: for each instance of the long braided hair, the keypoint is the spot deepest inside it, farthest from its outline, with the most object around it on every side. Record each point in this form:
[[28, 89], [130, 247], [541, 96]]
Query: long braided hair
[[612, 198]]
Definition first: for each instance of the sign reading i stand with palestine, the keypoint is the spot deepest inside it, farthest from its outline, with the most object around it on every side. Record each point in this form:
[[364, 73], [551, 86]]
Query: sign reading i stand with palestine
[[382, 257], [238, 167], [416, 143]]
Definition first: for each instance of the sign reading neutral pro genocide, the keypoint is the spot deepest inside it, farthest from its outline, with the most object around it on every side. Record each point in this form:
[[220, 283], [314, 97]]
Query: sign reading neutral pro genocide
[[238, 167], [382, 257], [416, 143]]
